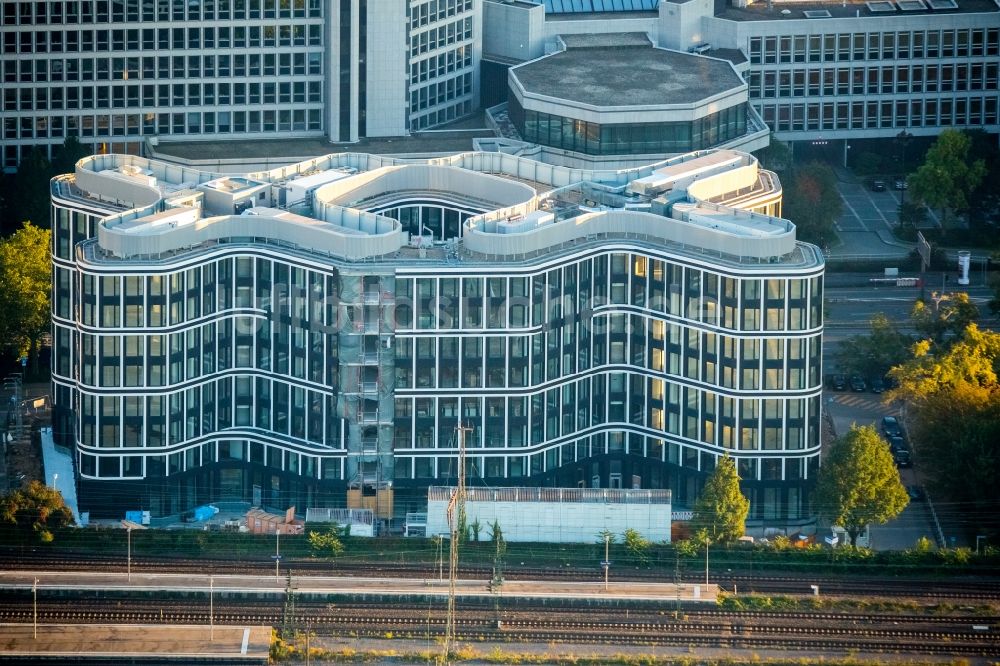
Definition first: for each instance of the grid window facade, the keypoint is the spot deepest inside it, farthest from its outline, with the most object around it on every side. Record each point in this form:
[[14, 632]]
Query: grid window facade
[[876, 80], [115, 72]]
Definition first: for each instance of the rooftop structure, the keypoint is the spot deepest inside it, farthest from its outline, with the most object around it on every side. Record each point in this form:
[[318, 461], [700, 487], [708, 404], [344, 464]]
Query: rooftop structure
[[557, 515], [626, 76]]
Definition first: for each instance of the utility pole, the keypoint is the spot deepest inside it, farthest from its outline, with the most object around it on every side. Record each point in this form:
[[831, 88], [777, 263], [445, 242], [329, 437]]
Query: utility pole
[[440, 540], [706, 561], [128, 531], [456, 519], [211, 608], [34, 609], [607, 562], [277, 554]]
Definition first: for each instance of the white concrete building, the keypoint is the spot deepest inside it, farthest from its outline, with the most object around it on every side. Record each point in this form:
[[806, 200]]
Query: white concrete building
[[555, 515], [118, 73]]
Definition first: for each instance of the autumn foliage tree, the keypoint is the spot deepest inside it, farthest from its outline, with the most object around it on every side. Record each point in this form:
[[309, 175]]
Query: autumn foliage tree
[[953, 403], [858, 482], [943, 314], [26, 276], [34, 511], [812, 203], [721, 510]]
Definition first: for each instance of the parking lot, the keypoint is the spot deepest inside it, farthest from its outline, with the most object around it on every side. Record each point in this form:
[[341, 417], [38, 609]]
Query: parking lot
[[865, 408], [865, 225]]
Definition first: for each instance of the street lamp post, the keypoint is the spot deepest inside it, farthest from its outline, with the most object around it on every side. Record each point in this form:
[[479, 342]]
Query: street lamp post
[[211, 608], [277, 554], [128, 532], [978, 539], [34, 609], [903, 138], [607, 561], [706, 562]]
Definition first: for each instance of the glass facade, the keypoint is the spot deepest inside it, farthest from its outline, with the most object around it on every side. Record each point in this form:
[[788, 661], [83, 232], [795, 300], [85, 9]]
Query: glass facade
[[626, 353], [628, 138], [245, 366]]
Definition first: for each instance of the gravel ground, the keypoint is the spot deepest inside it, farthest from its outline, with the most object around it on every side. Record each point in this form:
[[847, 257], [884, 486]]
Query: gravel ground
[[384, 651]]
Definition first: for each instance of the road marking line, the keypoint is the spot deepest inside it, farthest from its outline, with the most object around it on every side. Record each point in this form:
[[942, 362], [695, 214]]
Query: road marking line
[[854, 212]]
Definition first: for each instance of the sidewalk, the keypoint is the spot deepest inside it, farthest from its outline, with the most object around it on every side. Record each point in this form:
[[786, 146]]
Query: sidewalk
[[59, 471]]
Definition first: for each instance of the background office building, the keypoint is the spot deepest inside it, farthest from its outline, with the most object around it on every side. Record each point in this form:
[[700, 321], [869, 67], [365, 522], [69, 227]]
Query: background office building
[[118, 73], [286, 337]]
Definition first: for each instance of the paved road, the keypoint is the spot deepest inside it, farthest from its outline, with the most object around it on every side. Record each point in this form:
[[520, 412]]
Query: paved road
[[850, 305]]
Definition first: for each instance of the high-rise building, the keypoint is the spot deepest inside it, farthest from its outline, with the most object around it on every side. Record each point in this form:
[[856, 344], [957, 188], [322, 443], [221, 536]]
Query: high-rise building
[[288, 336], [119, 73]]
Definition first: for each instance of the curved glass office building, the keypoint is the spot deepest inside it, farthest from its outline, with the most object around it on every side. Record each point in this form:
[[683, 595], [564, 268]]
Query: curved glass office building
[[288, 336]]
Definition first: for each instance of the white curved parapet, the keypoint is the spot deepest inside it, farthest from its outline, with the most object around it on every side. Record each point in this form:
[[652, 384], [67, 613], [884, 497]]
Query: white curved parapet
[[736, 233], [355, 235], [679, 201]]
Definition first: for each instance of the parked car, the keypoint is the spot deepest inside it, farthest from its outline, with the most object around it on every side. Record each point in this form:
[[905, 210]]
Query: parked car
[[858, 383], [838, 383], [902, 458], [877, 385], [890, 426], [899, 183], [897, 443], [877, 186]]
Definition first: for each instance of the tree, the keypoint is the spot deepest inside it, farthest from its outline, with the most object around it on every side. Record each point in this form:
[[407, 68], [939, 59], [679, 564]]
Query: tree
[[605, 535], [947, 177], [636, 545], [67, 155], [912, 215], [327, 543], [777, 156], [858, 482], [952, 396], [946, 313], [721, 509], [874, 354], [25, 300], [499, 551], [34, 511], [31, 189], [812, 202]]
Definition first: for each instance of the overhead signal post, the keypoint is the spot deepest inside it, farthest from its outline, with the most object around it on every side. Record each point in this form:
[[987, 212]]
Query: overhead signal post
[[456, 517]]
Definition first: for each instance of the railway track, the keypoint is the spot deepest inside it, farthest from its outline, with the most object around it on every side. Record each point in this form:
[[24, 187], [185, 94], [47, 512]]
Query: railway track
[[807, 631], [981, 590]]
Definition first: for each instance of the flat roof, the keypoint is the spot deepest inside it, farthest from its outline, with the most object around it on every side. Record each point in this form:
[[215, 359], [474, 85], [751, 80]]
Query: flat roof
[[772, 11], [626, 76], [558, 495], [224, 149]]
